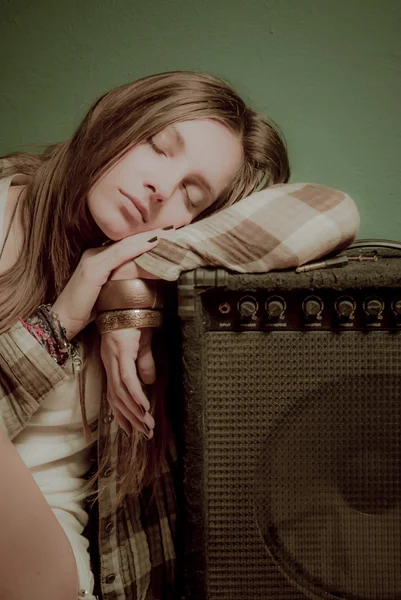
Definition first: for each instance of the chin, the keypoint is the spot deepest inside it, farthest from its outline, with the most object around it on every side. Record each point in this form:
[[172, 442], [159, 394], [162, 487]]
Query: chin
[[117, 229], [114, 233], [115, 237], [119, 234]]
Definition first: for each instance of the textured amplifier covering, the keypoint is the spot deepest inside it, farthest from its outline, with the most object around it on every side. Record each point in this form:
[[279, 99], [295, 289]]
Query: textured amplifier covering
[[293, 465]]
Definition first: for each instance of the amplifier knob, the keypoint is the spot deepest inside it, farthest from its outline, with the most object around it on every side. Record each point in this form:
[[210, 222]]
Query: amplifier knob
[[313, 306], [247, 307], [374, 307], [397, 306], [275, 307], [345, 307]]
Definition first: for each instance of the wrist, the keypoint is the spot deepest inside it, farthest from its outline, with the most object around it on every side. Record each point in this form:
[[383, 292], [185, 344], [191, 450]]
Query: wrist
[[46, 327], [58, 310]]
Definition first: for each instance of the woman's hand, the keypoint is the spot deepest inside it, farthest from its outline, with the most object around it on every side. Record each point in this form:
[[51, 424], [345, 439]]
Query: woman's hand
[[75, 305], [128, 361], [127, 358]]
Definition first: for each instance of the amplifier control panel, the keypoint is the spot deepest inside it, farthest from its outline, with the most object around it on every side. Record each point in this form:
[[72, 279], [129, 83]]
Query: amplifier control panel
[[307, 310]]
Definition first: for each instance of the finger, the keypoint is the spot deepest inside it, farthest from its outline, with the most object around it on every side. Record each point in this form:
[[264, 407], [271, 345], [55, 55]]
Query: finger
[[119, 389], [145, 363], [121, 414], [129, 416], [129, 376], [126, 414], [115, 383], [130, 247], [121, 420], [131, 401]]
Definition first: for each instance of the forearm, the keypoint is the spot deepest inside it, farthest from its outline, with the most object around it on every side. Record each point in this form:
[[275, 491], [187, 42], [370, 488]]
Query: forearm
[[27, 374], [128, 308]]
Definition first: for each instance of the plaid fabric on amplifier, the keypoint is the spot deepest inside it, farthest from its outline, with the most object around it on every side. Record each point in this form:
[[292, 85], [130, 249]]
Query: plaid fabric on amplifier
[[281, 227]]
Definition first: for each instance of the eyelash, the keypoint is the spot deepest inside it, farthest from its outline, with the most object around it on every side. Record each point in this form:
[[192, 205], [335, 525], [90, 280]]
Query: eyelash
[[155, 148], [188, 198], [159, 151]]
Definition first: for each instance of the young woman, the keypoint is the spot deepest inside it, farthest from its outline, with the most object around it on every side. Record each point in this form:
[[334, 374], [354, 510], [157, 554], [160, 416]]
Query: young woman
[[149, 156]]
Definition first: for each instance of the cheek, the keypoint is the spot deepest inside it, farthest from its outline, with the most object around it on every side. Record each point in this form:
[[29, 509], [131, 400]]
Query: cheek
[[96, 204], [91, 203], [106, 215]]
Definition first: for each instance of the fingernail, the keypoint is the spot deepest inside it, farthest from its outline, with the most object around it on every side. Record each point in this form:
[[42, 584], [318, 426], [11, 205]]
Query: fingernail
[[145, 436], [153, 239], [143, 409], [168, 228], [128, 431], [146, 428]]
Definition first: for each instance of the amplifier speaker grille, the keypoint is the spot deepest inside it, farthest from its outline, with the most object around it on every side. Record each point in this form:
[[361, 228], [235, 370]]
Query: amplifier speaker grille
[[299, 472]]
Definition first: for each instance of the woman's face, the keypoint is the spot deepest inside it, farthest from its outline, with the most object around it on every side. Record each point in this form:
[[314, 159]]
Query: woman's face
[[168, 180]]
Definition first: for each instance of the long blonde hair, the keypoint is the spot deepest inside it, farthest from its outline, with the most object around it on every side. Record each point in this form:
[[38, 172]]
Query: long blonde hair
[[55, 211]]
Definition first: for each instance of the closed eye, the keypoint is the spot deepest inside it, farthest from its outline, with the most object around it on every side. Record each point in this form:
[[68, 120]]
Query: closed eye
[[155, 147], [187, 195], [194, 195]]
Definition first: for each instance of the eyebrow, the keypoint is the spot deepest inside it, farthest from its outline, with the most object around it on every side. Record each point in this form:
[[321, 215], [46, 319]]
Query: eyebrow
[[198, 177]]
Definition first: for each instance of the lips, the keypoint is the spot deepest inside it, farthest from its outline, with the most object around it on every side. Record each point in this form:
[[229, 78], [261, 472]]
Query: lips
[[138, 205]]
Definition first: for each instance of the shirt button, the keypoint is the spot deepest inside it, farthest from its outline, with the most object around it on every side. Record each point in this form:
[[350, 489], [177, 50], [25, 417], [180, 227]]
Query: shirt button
[[108, 527], [110, 578], [107, 472], [92, 470], [108, 418]]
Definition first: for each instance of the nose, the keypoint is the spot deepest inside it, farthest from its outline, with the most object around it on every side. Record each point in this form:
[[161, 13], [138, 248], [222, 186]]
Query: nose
[[162, 190]]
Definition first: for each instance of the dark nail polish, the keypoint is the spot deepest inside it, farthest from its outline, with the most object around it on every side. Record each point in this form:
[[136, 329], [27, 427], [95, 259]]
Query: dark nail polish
[[145, 436], [143, 409], [168, 228], [153, 239], [146, 428]]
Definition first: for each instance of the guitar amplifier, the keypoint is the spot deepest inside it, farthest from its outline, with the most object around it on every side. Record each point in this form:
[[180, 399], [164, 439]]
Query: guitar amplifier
[[292, 433]]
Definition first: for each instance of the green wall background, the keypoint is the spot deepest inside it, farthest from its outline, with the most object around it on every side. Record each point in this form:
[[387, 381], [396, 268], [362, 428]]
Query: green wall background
[[328, 72]]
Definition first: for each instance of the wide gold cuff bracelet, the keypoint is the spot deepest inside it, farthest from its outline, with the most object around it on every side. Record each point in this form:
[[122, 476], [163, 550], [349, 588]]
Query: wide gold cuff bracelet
[[129, 293], [128, 319]]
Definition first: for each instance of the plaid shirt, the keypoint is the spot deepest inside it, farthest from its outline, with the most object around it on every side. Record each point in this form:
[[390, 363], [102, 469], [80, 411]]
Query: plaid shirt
[[281, 227], [136, 541]]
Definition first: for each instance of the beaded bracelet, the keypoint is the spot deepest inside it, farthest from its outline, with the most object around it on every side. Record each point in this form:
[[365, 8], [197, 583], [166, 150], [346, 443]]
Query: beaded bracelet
[[46, 327]]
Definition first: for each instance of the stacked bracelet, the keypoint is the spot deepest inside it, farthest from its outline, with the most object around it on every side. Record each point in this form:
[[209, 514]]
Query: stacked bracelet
[[129, 303], [126, 319], [46, 327], [130, 293]]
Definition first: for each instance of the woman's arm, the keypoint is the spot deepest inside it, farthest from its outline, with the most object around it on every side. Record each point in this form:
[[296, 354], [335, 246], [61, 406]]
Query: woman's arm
[[128, 362], [27, 375]]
